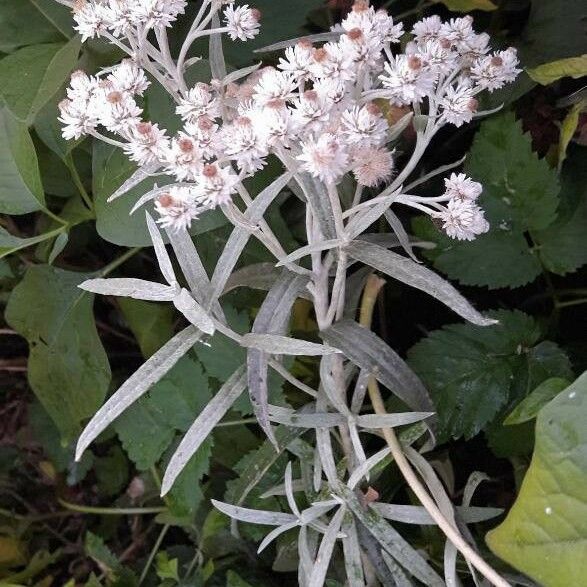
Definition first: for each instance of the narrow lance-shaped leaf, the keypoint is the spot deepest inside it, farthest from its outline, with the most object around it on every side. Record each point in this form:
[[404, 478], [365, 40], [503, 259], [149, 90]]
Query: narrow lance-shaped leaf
[[160, 251], [352, 553], [186, 304], [415, 514], [134, 180], [254, 516], [410, 273], [203, 426], [369, 352], [273, 317], [128, 287], [285, 345], [326, 549], [138, 384], [239, 236]]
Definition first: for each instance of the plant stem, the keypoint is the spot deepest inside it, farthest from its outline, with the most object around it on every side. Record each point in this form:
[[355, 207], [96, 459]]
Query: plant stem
[[371, 291], [119, 261], [153, 553], [78, 182], [87, 509]]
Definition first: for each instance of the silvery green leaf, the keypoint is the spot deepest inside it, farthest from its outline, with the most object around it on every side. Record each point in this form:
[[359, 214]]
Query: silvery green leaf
[[216, 55], [361, 221], [318, 575], [317, 38], [475, 479], [414, 514], [327, 365], [297, 485], [254, 516], [239, 237], [352, 553], [369, 352], [408, 557], [360, 391], [186, 304], [400, 578], [160, 251], [203, 426], [433, 173], [358, 450], [306, 560], [355, 284], [275, 533], [273, 317], [450, 565], [317, 197], [317, 510], [234, 76], [190, 263], [128, 287], [308, 250], [415, 275], [363, 470], [279, 368], [324, 446], [420, 122], [375, 421], [398, 228], [135, 179], [256, 276], [290, 417], [151, 371], [288, 479], [398, 128], [284, 345], [155, 192]]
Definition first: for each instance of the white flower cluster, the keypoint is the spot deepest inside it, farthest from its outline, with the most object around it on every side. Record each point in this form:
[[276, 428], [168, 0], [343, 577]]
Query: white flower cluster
[[321, 110]]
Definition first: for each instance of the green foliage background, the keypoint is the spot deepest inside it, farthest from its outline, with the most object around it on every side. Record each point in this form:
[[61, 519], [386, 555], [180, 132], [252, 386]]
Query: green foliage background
[[100, 521]]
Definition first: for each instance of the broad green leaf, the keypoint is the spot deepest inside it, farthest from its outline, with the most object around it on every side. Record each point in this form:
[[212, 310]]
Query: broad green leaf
[[547, 73], [520, 194], [21, 190], [545, 532], [150, 322], [233, 580], [31, 76], [529, 407], [468, 5], [167, 568], [472, 373], [148, 427], [111, 471], [562, 245], [111, 167], [29, 22], [66, 354]]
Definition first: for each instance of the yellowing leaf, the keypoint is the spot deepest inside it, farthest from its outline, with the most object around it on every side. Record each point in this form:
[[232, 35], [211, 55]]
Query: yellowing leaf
[[545, 532], [568, 129], [547, 73], [468, 5], [12, 552]]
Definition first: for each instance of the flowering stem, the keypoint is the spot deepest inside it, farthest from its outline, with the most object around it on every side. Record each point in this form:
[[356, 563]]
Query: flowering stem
[[370, 294]]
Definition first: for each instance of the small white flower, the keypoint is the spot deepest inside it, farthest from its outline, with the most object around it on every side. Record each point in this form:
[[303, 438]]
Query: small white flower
[[128, 77], [372, 166], [494, 71], [407, 79], [274, 85], [458, 104], [154, 13], [147, 144], [311, 111], [179, 207], [362, 49], [463, 220], [460, 187], [200, 101], [81, 86], [435, 56], [332, 91], [215, 185], [183, 159], [121, 17], [206, 136], [332, 62], [458, 31], [474, 47], [244, 144], [91, 19], [242, 22], [275, 124], [427, 29], [117, 111], [297, 60], [385, 28], [325, 157], [364, 126], [77, 119]]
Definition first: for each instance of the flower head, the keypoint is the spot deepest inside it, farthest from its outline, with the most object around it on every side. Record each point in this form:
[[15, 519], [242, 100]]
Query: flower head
[[179, 207], [324, 157], [463, 220], [242, 22]]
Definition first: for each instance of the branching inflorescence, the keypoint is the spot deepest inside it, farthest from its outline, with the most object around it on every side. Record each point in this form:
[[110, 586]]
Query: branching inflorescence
[[323, 113]]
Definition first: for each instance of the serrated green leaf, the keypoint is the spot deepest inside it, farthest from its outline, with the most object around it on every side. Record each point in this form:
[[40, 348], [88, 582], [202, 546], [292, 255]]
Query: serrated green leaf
[[547, 73], [545, 532], [31, 76], [150, 322], [166, 568], [472, 372], [528, 408], [66, 354], [234, 580], [148, 427], [519, 195], [21, 189], [111, 471]]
